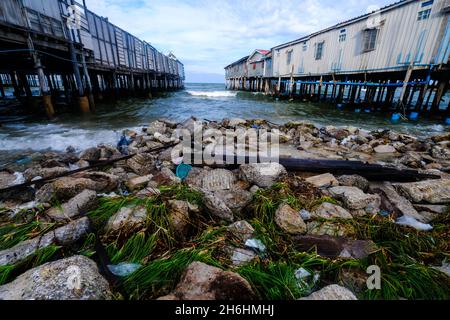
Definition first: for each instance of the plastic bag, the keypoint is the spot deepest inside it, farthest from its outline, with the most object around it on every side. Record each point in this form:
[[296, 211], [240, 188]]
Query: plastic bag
[[124, 269], [411, 222]]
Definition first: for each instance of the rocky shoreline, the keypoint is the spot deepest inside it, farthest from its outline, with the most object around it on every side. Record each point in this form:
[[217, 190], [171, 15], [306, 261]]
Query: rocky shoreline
[[142, 228]]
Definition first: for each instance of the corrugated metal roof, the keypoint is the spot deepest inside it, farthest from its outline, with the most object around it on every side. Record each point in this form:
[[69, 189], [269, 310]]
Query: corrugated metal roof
[[237, 62]]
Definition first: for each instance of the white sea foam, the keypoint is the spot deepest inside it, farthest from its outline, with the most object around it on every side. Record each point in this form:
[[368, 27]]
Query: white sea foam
[[212, 94]]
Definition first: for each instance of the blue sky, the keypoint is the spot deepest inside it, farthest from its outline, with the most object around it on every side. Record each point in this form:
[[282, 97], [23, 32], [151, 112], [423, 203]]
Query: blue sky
[[207, 35]]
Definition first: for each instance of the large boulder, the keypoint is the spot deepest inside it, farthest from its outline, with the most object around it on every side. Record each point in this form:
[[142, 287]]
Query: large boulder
[[241, 230], [78, 205], [385, 149], [355, 199], [127, 219], [157, 127], [179, 218], [91, 154], [62, 236], [328, 228], [74, 278], [68, 187], [211, 180], [332, 292], [330, 211], [289, 220], [236, 200], [394, 202], [203, 282], [354, 181], [431, 191], [43, 173], [138, 182], [335, 247], [323, 181], [6, 179], [142, 164], [217, 207], [263, 175]]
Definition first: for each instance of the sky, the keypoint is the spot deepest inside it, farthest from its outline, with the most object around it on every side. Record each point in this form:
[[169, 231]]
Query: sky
[[207, 35]]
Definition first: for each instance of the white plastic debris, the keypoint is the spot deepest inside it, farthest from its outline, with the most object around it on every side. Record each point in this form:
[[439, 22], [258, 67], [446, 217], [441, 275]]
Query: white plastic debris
[[255, 244], [411, 222], [305, 214], [445, 268], [124, 269], [73, 167], [178, 161], [19, 178], [302, 273], [108, 195]]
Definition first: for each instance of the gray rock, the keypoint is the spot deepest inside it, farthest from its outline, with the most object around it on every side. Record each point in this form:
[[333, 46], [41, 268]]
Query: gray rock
[[354, 181], [263, 175], [216, 180], [64, 235], [203, 282], [142, 164], [179, 218], [330, 211], [165, 178], [127, 219], [440, 153], [44, 173], [240, 257], [431, 191], [326, 228], [6, 179], [217, 207], [78, 205], [289, 220], [332, 292], [393, 202], [241, 230], [91, 154], [355, 199], [157, 127], [236, 200], [74, 278], [136, 183], [385, 149], [323, 181]]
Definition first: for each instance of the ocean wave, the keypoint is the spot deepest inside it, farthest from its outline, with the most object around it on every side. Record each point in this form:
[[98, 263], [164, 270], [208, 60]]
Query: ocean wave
[[212, 94]]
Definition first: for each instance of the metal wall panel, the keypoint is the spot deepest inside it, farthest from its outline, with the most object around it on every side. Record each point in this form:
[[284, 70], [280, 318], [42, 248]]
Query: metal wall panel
[[8, 13], [402, 39]]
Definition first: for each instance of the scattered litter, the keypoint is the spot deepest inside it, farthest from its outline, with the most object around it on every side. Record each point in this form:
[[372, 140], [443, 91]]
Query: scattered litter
[[302, 273], [445, 268], [183, 171], [255, 244], [108, 195], [123, 143], [19, 178], [242, 256], [411, 222], [36, 178], [178, 161], [305, 214], [124, 269], [73, 167], [384, 213], [25, 206], [24, 160]]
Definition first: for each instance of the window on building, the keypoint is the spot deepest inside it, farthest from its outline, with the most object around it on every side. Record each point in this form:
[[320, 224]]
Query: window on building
[[427, 3], [343, 35], [319, 50], [305, 46], [254, 66], [424, 15], [289, 57], [370, 39]]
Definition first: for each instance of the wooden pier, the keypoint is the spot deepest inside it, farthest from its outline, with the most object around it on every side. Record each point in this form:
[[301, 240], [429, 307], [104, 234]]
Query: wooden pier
[[394, 60], [58, 50]]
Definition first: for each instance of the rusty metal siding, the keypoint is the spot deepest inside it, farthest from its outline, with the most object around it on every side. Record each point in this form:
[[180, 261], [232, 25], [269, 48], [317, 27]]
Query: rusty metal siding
[[401, 40]]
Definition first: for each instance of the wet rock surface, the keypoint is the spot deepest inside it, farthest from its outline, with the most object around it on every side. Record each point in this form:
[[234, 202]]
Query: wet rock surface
[[203, 282], [75, 278]]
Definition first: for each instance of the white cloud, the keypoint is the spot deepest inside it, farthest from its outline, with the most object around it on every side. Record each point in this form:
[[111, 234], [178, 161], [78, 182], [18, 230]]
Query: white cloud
[[209, 34]]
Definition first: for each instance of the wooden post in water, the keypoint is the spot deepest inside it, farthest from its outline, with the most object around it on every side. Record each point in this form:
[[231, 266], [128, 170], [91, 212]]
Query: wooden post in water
[[441, 90], [2, 89]]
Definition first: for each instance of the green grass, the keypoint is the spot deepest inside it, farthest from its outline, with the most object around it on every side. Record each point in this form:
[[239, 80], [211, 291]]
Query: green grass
[[14, 233], [38, 258], [160, 276], [135, 250], [275, 281]]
